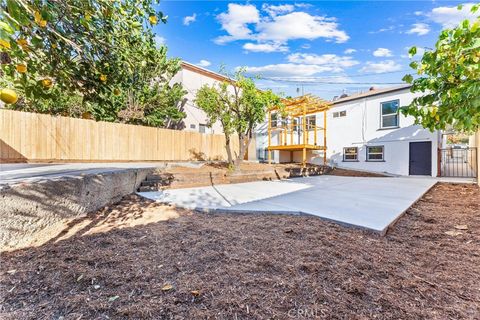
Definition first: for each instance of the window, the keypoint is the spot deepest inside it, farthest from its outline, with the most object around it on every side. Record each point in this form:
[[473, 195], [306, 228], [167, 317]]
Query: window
[[350, 154], [295, 124], [340, 114], [389, 111], [375, 153], [274, 120], [192, 126], [202, 128], [311, 122]]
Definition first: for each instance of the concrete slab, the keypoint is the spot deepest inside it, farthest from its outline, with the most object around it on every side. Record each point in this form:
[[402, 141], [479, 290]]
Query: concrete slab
[[372, 203], [16, 173]]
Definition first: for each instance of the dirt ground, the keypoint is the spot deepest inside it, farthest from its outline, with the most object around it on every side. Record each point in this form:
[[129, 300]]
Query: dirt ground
[[213, 266], [223, 167]]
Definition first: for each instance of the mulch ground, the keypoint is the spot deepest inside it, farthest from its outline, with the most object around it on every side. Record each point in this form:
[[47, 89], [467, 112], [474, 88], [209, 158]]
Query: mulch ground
[[212, 266]]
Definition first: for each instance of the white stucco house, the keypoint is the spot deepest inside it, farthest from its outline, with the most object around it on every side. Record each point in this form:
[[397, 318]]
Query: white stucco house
[[192, 78], [366, 132]]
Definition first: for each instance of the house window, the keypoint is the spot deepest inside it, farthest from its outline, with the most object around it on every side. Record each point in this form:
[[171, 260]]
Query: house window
[[339, 114], [192, 126], [350, 154], [311, 122], [389, 111], [375, 153], [274, 120], [202, 128], [295, 124]]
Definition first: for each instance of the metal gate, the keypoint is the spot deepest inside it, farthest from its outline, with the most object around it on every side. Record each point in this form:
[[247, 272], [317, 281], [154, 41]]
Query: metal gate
[[458, 162]]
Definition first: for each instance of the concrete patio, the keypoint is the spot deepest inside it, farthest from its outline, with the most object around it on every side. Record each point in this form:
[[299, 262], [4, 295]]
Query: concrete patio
[[372, 203]]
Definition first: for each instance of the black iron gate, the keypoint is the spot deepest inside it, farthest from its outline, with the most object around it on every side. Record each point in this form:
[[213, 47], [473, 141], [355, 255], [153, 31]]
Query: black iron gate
[[458, 162]]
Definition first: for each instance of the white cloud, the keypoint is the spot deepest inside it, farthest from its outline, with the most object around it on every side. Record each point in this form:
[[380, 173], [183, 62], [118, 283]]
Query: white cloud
[[418, 13], [235, 22], [300, 25], [204, 63], [419, 28], [159, 40], [382, 52], [304, 65], [333, 62], [450, 17], [349, 51], [306, 46], [381, 67], [244, 22], [274, 10], [265, 47], [389, 28], [287, 70], [189, 19]]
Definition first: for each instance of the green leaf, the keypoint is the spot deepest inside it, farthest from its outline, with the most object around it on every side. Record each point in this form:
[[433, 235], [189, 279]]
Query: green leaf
[[408, 78], [412, 51]]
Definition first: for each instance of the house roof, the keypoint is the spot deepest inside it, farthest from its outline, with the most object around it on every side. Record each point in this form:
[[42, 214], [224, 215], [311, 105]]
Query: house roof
[[205, 72], [370, 93]]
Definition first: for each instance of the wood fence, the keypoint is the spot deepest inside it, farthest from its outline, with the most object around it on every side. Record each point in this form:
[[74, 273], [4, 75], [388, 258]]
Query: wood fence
[[43, 138]]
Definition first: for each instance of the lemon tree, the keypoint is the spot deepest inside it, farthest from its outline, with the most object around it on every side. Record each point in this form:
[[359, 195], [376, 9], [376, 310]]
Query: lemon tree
[[87, 58], [449, 78], [239, 107]]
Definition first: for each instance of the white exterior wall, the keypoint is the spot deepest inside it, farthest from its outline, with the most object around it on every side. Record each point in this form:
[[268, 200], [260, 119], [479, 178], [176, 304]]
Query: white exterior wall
[[361, 128], [192, 82]]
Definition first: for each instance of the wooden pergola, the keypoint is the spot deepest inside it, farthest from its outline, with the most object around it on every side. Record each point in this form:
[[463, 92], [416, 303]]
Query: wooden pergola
[[294, 114]]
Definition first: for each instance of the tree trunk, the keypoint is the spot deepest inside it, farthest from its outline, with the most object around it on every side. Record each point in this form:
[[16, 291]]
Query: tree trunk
[[229, 150], [244, 141]]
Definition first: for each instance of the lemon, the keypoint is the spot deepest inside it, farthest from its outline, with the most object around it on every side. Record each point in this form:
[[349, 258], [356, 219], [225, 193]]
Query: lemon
[[37, 16], [22, 42], [103, 77], [153, 19], [4, 44], [42, 23], [21, 68], [116, 91], [47, 83], [8, 96]]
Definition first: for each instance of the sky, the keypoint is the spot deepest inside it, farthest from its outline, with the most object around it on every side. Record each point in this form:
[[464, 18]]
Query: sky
[[325, 48]]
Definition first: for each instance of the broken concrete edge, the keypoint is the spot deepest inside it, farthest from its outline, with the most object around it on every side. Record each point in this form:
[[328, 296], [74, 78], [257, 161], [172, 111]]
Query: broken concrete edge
[[29, 208]]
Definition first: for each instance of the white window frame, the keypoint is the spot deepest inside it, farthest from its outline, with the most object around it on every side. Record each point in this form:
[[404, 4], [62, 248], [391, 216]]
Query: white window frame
[[339, 114], [308, 121], [382, 116], [375, 160], [345, 153]]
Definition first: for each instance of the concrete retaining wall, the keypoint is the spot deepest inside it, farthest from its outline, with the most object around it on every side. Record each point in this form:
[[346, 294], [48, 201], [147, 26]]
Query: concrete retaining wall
[[29, 208]]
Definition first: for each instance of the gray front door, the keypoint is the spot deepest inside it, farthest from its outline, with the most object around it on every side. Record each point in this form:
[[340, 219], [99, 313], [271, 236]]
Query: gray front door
[[420, 158]]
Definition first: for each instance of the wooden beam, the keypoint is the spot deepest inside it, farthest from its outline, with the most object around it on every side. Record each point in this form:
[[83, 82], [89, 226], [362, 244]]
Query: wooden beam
[[269, 136], [304, 121], [325, 137]]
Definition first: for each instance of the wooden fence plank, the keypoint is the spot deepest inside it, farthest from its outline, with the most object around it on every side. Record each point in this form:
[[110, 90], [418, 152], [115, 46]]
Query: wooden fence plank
[[38, 137]]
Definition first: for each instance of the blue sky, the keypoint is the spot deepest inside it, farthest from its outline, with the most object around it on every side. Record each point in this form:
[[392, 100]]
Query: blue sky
[[323, 47]]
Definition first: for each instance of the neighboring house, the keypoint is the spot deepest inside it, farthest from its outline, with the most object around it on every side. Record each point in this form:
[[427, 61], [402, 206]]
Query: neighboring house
[[366, 132], [193, 78]]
